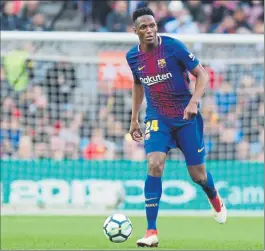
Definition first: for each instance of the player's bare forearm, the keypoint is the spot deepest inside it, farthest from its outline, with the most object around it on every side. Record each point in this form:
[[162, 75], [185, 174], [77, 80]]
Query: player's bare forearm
[[200, 86], [201, 83], [137, 100]]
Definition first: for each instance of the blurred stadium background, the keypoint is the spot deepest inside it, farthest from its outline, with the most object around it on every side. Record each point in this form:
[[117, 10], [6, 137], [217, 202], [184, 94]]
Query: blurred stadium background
[[66, 103], [65, 114]]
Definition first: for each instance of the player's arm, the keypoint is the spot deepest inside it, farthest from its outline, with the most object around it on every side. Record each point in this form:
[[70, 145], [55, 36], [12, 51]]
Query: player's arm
[[193, 65], [202, 79], [137, 100]]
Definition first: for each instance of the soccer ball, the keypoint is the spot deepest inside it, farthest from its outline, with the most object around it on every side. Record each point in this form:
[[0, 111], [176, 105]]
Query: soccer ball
[[117, 228]]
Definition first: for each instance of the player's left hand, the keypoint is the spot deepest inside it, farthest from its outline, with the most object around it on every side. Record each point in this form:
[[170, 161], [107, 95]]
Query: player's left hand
[[190, 111]]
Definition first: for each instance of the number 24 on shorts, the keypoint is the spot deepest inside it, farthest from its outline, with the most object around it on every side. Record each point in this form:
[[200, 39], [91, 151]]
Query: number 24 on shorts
[[151, 126]]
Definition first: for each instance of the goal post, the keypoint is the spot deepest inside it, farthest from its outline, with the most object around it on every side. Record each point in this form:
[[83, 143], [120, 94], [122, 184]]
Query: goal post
[[127, 37], [65, 115]]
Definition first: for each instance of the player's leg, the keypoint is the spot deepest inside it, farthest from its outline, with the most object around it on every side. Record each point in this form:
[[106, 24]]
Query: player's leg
[[191, 142], [157, 145], [152, 192], [204, 178], [153, 187]]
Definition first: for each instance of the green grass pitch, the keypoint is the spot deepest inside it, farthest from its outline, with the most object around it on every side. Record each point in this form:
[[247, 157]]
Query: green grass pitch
[[176, 233]]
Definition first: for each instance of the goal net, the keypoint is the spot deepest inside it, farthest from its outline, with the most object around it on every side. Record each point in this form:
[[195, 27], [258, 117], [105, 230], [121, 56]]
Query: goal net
[[66, 107]]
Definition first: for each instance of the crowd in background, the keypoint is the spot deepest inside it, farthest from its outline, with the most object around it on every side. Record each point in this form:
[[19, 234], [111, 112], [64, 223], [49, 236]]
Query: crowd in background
[[39, 119], [185, 17], [40, 122], [22, 16]]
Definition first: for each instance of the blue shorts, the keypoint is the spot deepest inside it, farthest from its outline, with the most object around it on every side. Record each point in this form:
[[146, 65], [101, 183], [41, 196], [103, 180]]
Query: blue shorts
[[161, 135]]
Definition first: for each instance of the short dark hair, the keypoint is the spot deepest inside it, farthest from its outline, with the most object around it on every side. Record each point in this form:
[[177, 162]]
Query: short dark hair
[[142, 12]]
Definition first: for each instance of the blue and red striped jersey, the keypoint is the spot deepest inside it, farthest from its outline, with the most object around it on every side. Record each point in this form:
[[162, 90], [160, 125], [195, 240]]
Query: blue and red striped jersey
[[164, 74]]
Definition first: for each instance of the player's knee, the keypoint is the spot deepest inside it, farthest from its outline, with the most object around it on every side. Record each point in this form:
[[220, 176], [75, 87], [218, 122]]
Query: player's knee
[[155, 167]]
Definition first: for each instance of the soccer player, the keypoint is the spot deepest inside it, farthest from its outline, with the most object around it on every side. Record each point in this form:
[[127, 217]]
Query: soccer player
[[160, 66]]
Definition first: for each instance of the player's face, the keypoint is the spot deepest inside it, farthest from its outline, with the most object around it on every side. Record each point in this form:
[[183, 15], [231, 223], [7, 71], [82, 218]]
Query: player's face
[[146, 29]]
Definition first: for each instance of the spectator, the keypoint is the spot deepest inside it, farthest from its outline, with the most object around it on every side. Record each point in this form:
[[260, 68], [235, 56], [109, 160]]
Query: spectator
[[61, 81], [14, 132], [9, 108], [41, 150], [25, 149], [182, 22], [7, 151], [210, 113], [133, 5], [56, 148], [225, 98], [215, 78], [250, 99], [6, 89], [39, 99], [259, 25], [196, 9], [115, 131], [205, 16], [71, 151], [260, 153], [60, 84], [242, 150], [41, 143], [15, 63], [98, 148], [260, 116], [85, 7], [240, 18], [256, 11], [226, 144], [163, 14], [227, 25], [38, 23], [29, 9], [220, 9], [2, 5], [130, 27], [257, 147], [9, 137], [9, 21], [100, 10], [34, 107], [118, 19], [42, 109], [69, 134], [17, 6]]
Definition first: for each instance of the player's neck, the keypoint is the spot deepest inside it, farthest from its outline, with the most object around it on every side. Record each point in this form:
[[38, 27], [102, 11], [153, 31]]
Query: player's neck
[[149, 47]]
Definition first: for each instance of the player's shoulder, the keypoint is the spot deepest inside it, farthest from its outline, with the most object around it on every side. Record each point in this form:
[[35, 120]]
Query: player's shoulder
[[170, 41], [132, 53]]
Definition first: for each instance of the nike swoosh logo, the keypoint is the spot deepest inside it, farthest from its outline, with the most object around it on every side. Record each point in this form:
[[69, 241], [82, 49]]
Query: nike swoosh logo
[[200, 150], [140, 68], [151, 199]]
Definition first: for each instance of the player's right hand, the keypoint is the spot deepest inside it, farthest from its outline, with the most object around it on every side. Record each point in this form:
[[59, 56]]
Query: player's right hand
[[135, 131]]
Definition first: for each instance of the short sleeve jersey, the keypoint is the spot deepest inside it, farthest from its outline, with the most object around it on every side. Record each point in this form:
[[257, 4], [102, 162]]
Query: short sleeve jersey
[[164, 74]]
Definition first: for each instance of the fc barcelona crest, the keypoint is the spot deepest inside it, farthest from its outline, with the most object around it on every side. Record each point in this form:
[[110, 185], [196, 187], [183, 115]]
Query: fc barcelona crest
[[161, 63]]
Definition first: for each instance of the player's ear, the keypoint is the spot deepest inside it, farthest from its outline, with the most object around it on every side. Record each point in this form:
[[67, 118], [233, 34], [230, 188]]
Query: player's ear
[[134, 30]]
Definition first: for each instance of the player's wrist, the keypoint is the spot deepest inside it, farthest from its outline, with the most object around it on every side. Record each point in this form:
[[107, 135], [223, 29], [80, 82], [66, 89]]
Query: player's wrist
[[194, 102], [134, 120]]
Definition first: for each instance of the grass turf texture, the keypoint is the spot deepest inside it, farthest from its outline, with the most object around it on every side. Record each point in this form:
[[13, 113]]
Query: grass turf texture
[[178, 233]]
